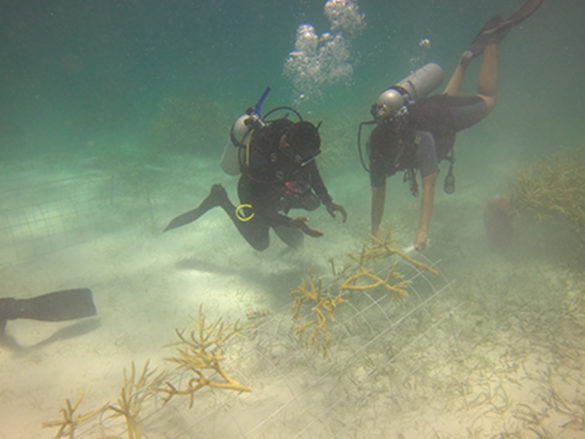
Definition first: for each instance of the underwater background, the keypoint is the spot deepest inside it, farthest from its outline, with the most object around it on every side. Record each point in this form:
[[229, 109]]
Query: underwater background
[[95, 73], [113, 118]]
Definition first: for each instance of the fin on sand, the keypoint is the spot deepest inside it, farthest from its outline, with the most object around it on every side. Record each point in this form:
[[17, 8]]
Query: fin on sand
[[52, 307]]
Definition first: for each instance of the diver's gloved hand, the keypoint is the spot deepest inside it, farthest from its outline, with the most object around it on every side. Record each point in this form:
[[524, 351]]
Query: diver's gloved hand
[[332, 208], [301, 223]]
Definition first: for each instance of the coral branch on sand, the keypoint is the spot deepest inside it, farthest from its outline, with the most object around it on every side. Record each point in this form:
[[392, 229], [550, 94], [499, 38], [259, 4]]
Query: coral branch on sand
[[323, 304], [201, 354], [132, 396], [70, 420], [397, 288], [323, 309], [383, 249]]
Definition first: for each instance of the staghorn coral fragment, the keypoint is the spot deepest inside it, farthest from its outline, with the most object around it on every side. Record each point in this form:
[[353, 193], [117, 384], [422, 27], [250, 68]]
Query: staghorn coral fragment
[[397, 288], [201, 354], [323, 305], [70, 420], [134, 392], [323, 308]]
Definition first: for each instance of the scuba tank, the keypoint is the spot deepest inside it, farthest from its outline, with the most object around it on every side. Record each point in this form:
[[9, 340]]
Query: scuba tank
[[240, 136], [393, 101]]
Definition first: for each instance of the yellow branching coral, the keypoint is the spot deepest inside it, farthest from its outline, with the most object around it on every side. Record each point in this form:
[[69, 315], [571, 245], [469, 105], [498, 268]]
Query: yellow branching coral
[[383, 249], [398, 288], [70, 420], [323, 307], [323, 304], [135, 389], [200, 353]]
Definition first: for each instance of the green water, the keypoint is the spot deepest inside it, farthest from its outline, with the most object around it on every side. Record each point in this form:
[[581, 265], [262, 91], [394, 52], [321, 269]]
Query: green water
[[113, 117], [77, 73]]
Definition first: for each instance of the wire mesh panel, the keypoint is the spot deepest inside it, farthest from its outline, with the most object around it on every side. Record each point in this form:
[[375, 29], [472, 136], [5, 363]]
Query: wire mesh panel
[[377, 343], [44, 215]]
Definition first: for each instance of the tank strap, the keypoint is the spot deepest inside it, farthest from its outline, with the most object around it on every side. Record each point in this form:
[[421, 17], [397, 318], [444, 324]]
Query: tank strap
[[248, 147]]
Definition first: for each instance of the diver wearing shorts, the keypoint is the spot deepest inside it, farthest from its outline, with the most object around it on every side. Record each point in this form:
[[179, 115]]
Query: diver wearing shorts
[[416, 134]]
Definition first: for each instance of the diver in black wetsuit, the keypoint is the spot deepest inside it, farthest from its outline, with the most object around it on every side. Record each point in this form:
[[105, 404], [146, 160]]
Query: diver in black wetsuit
[[280, 174], [418, 133]]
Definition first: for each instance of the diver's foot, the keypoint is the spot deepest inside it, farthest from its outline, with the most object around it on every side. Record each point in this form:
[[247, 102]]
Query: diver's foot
[[492, 32], [466, 58], [497, 28], [217, 197]]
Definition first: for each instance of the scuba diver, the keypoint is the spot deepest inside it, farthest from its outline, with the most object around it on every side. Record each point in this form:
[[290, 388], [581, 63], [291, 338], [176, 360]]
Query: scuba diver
[[276, 160], [413, 131]]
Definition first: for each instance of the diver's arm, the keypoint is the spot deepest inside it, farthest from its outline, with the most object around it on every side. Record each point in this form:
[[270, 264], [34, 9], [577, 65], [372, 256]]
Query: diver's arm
[[272, 216], [317, 183], [378, 199], [321, 190], [426, 211], [301, 224]]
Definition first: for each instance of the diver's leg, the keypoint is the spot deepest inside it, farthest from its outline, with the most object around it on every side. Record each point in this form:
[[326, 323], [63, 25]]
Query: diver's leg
[[288, 235], [456, 81], [254, 230], [468, 110], [487, 81]]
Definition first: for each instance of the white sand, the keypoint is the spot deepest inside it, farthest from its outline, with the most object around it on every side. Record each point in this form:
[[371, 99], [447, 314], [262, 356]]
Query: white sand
[[499, 352]]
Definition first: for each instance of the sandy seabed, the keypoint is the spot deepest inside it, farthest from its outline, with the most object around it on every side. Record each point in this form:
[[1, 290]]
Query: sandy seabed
[[491, 347]]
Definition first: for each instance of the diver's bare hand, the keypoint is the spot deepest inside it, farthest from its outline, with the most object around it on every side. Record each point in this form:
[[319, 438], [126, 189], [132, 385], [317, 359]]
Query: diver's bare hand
[[301, 223], [466, 58], [420, 242], [332, 208]]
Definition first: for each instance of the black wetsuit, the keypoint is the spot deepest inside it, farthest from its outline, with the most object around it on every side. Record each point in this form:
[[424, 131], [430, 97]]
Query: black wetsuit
[[427, 138], [273, 183]]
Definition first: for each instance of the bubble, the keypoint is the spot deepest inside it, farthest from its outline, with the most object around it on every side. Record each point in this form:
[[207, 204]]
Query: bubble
[[307, 40], [344, 16], [324, 60]]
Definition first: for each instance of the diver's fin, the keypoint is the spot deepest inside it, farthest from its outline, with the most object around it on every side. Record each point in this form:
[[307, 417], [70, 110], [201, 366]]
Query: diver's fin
[[52, 307], [184, 219], [497, 28], [525, 11], [216, 197]]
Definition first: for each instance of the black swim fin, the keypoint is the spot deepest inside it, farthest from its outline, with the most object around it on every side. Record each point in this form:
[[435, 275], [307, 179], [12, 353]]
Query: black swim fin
[[52, 307], [525, 11], [216, 197], [184, 219], [497, 28]]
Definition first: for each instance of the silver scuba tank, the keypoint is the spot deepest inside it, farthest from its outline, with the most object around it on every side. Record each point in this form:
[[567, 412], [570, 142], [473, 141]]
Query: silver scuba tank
[[240, 137], [392, 101], [239, 134]]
